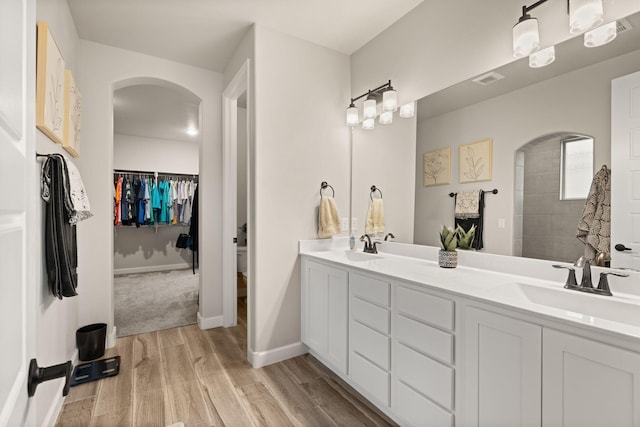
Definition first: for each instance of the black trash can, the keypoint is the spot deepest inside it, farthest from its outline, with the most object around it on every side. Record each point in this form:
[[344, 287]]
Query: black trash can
[[90, 340]]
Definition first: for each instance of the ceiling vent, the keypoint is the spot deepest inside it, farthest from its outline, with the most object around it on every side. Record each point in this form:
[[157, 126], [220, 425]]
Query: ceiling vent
[[488, 78], [623, 26]]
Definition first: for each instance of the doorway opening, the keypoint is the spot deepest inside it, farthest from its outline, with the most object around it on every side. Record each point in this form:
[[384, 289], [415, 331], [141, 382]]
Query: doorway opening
[[156, 157]]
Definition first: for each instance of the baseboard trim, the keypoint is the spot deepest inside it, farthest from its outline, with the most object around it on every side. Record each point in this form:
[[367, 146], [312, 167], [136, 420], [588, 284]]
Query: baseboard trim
[[209, 322], [56, 405], [150, 269], [111, 337], [258, 359]]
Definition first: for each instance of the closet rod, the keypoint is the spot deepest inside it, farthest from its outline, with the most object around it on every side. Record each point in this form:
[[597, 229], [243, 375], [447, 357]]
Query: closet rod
[[134, 172]]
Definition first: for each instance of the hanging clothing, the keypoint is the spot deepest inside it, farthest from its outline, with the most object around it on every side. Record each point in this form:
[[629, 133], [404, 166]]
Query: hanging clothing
[[60, 235], [594, 226]]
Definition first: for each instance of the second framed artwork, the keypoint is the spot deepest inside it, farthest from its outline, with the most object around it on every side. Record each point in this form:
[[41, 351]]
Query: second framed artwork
[[475, 161]]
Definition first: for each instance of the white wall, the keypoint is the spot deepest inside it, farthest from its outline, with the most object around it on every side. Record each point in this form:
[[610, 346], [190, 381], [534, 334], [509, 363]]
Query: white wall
[[513, 120], [103, 69], [301, 92], [141, 249], [56, 320]]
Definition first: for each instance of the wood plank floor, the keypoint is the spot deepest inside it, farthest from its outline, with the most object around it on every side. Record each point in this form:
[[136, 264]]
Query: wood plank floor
[[201, 378]]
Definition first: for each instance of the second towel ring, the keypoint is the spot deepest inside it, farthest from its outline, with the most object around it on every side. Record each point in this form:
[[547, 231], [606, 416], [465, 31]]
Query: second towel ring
[[373, 190], [324, 185]]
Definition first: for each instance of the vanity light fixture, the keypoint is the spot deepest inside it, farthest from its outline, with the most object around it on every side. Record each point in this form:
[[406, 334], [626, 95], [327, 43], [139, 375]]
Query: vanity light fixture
[[192, 131], [583, 15], [389, 100], [542, 57], [601, 35]]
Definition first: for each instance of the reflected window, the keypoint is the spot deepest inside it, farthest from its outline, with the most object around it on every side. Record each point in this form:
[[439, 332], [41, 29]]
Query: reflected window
[[577, 168]]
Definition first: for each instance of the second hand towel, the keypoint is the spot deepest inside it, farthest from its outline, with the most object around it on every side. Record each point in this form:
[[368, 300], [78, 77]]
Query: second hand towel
[[375, 217]]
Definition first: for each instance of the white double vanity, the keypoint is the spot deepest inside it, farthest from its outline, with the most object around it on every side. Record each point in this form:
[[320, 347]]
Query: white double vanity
[[496, 341]]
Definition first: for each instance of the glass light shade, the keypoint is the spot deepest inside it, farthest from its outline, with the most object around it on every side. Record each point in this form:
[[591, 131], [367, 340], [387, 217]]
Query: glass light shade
[[601, 35], [407, 110], [352, 116], [389, 100], [526, 38], [584, 14], [369, 109], [542, 57], [386, 118], [369, 123]]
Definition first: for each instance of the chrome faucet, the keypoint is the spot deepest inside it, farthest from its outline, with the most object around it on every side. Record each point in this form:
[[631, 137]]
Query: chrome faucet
[[368, 246], [585, 282]]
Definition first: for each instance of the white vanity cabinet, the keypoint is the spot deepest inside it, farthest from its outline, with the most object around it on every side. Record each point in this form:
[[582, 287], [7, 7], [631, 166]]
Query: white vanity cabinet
[[423, 374], [325, 292], [369, 340], [503, 365], [588, 383]]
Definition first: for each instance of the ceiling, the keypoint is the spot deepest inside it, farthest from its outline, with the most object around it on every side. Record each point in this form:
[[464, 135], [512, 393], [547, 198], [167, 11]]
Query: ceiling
[[205, 34]]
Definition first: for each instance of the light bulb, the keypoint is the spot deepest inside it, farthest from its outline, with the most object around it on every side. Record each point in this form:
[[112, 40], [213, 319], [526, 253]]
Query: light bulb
[[389, 100], [584, 14], [407, 110], [526, 38], [542, 57], [352, 115], [369, 108], [601, 35], [386, 118], [369, 123]]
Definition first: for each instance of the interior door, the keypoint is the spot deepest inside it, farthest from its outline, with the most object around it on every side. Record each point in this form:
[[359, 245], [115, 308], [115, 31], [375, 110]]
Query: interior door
[[17, 163], [625, 172]]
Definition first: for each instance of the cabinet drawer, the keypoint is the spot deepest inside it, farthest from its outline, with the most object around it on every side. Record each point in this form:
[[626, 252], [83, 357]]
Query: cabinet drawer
[[369, 289], [370, 344], [416, 410], [371, 315], [371, 378], [428, 340], [427, 376], [435, 310]]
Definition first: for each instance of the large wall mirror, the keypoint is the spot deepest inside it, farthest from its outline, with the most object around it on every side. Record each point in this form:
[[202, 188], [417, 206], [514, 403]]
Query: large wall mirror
[[527, 113]]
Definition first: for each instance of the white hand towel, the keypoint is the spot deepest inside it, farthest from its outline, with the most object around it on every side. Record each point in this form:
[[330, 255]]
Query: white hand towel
[[328, 219], [375, 217], [79, 199], [468, 204]]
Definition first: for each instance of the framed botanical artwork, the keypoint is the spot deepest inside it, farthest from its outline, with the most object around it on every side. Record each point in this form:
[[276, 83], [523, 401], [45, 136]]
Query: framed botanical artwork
[[49, 86], [475, 161], [437, 167], [72, 116]]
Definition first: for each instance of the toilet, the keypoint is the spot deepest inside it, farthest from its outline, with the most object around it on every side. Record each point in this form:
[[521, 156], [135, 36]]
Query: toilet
[[242, 271]]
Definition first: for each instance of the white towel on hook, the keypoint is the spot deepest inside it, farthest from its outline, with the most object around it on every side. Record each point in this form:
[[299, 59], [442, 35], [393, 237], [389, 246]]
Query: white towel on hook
[[79, 199], [375, 217], [328, 219]]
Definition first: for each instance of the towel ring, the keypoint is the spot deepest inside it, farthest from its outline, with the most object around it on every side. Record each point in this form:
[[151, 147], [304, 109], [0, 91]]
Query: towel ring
[[373, 190], [324, 185]]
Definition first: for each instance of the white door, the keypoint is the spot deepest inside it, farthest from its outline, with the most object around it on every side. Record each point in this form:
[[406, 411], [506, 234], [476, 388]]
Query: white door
[[17, 166], [625, 172]]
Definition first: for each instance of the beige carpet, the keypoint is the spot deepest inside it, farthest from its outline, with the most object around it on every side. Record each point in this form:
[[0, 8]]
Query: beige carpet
[[146, 302]]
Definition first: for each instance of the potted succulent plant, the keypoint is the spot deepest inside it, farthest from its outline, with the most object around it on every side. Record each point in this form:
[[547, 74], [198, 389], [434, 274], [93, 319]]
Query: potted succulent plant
[[465, 238], [448, 257]]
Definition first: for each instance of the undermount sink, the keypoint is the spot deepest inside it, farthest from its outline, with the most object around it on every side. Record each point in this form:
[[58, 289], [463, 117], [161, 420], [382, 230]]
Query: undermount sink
[[360, 256], [579, 305]]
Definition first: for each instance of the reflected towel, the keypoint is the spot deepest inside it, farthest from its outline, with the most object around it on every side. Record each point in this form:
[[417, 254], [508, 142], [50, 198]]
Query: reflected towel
[[594, 227], [375, 217], [468, 204], [328, 220]]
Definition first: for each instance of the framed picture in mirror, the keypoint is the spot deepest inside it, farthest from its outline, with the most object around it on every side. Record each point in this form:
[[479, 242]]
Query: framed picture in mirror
[[475, 161], [437, 167]]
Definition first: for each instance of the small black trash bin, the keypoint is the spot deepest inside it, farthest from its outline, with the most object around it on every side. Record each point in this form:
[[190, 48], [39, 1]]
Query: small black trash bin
[[90, 341]]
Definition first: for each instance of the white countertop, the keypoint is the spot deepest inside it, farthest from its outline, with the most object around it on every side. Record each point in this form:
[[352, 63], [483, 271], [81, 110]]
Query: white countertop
[[545, 296]]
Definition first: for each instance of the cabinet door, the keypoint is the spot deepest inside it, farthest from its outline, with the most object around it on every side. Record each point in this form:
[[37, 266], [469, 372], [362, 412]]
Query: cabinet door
[[587, 383], [325, 294], [502, 370]]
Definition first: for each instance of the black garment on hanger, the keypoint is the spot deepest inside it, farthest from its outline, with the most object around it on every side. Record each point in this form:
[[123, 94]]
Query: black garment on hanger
[[193, 229], [60, 236]]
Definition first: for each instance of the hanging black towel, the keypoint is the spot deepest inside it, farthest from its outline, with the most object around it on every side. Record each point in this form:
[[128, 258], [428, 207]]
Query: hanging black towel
[[60, 236], [466, 220], [193, 229]]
